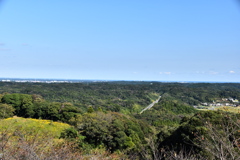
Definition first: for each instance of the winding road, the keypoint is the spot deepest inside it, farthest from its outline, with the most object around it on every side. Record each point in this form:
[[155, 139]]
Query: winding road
[[151, 105]]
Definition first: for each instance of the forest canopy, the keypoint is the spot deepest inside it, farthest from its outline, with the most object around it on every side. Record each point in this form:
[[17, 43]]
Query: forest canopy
[[107, 116]]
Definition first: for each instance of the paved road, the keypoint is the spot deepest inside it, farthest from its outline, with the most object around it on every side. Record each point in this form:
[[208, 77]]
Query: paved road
[[151, 105]]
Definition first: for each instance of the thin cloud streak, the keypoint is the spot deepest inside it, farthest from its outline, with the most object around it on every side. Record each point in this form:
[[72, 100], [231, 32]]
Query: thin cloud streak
[[167, 73]]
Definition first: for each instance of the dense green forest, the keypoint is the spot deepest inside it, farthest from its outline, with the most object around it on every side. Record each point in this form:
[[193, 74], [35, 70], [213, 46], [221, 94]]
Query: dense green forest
[[105, 116]]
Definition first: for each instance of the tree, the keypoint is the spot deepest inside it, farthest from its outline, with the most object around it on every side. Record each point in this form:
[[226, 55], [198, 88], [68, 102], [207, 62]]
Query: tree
[[23, 103], [211, 134], [222, 139], [113, 130], [6, 111], [90, 109]]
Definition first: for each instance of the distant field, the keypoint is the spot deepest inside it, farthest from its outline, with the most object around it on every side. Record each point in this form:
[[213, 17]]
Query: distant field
[[225, 108], [230, 109]]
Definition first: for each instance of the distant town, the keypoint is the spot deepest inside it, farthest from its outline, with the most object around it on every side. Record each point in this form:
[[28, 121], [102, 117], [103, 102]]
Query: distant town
[[224, 102], [19, 80]]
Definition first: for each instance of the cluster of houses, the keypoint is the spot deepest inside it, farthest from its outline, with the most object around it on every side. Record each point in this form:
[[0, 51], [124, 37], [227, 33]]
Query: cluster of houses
[[224, 102]]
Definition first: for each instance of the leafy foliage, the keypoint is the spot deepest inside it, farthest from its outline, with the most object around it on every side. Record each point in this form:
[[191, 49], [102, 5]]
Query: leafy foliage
[[113, 130], [25, 106], [105, 117], [6, 111], [205, 133]]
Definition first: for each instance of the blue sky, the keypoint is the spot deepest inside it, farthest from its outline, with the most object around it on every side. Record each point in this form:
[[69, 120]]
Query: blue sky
[[157, 40]]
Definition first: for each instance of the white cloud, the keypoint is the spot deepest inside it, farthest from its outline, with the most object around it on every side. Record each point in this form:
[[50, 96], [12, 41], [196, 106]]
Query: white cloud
[[200, 72], [231, 72], [168, 73]]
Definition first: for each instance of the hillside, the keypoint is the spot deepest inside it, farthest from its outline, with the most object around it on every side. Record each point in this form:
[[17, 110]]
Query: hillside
[[103, 119], [30, 138]]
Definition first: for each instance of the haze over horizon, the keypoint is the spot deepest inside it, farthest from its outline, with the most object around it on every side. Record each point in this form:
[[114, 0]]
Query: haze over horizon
[[121, 40]]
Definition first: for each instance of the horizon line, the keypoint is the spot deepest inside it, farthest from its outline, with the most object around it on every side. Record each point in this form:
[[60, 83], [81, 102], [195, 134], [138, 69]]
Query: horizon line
[[102, 80]]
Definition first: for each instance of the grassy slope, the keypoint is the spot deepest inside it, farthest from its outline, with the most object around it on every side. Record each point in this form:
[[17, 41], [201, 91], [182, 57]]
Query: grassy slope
[[33, 126], [30, 138], [36, 134]]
